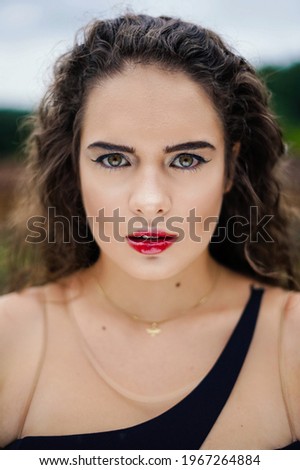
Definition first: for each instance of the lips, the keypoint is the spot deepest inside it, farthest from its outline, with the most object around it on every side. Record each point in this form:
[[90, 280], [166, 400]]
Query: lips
[[153, 242], [151, 237]]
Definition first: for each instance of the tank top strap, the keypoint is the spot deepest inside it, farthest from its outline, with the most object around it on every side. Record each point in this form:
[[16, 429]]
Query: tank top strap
[[218, 384], [196, 414]]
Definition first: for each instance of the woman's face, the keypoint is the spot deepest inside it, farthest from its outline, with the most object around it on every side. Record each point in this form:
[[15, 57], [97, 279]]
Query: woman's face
[[151, 157]]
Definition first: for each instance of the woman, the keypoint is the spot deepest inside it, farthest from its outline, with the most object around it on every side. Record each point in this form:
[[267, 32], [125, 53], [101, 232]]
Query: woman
[[159, 305]]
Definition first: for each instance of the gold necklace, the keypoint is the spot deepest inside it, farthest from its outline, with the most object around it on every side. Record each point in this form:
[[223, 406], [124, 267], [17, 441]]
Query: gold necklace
[[154, 326]]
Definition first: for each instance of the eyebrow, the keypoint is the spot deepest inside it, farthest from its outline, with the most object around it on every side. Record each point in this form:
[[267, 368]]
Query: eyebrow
[[198, 144]]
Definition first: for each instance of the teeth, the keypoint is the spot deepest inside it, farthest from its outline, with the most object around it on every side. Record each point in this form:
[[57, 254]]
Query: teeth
[[153, 238], [146, 237]]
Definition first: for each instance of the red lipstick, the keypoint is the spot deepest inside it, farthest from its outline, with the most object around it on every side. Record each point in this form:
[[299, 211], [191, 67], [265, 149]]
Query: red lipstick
[[150, 243]]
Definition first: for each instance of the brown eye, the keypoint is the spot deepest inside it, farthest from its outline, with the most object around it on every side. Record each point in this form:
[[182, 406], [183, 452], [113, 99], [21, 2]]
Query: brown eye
[[185, 160], [114, 160], [189, 161]]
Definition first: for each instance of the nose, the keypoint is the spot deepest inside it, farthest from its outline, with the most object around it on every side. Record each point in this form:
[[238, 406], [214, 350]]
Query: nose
[[150, 196]]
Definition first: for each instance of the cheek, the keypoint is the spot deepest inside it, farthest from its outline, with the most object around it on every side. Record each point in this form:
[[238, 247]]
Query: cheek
[[96, 195], [201, 206], [90, 197], [206, 196], [102, 207]]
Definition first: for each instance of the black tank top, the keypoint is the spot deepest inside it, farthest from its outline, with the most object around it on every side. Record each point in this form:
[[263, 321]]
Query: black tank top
[[187, 424]]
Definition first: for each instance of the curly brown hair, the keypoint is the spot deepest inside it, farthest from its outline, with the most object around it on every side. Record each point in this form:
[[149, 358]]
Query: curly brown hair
[[103, 49]]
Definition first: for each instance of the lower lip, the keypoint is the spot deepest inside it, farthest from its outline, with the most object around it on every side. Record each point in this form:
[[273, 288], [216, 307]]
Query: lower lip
[[150, 248]]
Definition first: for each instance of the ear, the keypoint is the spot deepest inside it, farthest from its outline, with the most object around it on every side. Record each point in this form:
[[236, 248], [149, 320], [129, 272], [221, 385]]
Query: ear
[[235, 151]]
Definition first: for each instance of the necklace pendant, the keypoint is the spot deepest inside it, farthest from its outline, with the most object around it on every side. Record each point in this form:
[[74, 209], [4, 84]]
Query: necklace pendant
[[153, 330]]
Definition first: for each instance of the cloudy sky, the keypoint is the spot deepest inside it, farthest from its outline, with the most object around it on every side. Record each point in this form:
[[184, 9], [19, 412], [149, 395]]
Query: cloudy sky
[[34, 32]]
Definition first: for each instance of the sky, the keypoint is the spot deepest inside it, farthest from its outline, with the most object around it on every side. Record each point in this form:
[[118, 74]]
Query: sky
[[33, 33]]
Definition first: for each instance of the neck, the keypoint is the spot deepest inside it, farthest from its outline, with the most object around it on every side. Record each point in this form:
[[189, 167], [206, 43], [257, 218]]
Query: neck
[[159, 300]]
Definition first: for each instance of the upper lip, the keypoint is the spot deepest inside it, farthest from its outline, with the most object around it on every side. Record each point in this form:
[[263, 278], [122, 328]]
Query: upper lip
[[152, 233]]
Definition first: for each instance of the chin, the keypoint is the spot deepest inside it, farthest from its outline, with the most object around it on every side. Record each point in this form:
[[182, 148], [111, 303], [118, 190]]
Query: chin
[[155, 269]]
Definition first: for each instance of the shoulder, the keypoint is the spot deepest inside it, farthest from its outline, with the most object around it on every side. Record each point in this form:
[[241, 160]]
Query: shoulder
[[22, 317], [282, 323], [289, 356], [22, 341], [291, 325], [21, 330], [19, 313], [22, 314], [292, 308]]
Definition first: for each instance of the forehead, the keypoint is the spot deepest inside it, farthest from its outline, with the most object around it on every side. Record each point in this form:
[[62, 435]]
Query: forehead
[[150, 101]]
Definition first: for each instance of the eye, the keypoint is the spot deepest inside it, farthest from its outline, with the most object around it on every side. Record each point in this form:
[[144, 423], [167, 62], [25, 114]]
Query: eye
[[186, 161], [111, 161]]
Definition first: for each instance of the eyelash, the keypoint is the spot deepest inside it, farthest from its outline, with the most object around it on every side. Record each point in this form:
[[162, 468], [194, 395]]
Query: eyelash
[[200, 160]]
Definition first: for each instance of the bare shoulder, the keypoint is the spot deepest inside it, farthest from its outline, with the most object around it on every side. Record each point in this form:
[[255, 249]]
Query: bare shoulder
[[287, 304], [22, 313], [292, 309], [291, 328], [290, 359], [22, 341], [28, 299], [21, 317]]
